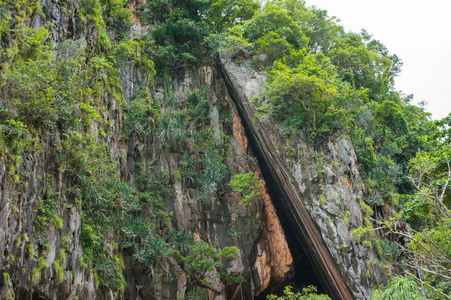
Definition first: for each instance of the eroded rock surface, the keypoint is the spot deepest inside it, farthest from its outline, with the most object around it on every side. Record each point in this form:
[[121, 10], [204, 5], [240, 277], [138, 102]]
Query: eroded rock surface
[[321, 188], [318, 188], [264, 260]]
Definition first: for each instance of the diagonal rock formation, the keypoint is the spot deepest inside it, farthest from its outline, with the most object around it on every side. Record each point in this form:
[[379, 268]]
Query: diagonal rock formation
[[294, 183]]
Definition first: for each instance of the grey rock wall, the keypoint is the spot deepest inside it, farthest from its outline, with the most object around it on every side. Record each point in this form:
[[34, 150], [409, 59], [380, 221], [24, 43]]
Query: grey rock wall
[[324, 181], [264, 259], [323, 189]]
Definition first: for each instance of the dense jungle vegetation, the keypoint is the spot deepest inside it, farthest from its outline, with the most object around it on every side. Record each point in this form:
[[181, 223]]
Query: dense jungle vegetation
[[322, 81]]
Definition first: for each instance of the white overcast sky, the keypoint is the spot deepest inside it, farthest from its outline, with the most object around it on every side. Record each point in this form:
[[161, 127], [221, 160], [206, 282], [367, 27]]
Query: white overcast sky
[[417, 31]]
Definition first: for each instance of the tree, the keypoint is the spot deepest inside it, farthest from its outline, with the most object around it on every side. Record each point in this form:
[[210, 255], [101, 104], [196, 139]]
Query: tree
[[202, 260], [304, 92], [426, 241], [273, 46], [361, 65], [321, 30], [226, 13], [274, 18]]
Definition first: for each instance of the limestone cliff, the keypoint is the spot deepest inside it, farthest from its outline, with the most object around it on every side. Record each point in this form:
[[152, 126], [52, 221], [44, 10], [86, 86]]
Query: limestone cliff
[[171, 167], [318, 186]]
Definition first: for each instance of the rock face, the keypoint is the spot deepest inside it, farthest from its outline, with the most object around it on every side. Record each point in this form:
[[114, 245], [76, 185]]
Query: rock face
[[30, 254], [315, 189], [320, 189], [254, 230]]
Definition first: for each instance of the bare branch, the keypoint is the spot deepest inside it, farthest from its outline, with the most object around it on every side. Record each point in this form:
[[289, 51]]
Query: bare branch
[[307, 109], [425, 283], [446, 210]]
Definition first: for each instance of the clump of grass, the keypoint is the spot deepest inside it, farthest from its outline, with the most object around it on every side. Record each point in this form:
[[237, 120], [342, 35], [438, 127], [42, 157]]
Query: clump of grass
[[42, 264], [366, 209], [96, 278], [58, 222], [64, 241], [30, 251], [35, 276], [81, 262], [59, 272], [61, 256], [6, 278]]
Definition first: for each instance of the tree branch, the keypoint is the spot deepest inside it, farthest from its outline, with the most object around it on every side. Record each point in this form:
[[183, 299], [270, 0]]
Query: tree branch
[[307, 109]]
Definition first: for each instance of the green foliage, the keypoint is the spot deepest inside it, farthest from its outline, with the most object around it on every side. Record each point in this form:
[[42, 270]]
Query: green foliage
[[367, 211], [339, 82], [35, 276], [196, 294], [198, 108], [273, 46], [429, 174], [274, 18], [81, 262], [64, 241], [41, 264], [223, 14], [47, 213], [44, 245], [6, 285], [134, 51], [30, 251], [203, 259], [211, 176], [321, 80], [21, 238], [248, 185], [61, 257], [433, 247], [14, 136], [110, 274], [172, 127], [59, 272], [305, 94], [235, 39], [147, 249], [399, 288], [38, 270], [117, 15], [62, 91], [5, 279], [96, 278], [365, 63], [35, 74], [103, 13], [140, 114], [307, 293], [5, 20], [178, 32]]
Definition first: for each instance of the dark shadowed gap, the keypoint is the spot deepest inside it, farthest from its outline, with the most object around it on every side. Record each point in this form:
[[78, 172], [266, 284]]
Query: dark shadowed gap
[[305, 274], [287, 202]]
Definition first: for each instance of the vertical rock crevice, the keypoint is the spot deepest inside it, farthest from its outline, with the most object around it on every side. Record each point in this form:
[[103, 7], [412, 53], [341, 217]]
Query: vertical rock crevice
[[287, 201]]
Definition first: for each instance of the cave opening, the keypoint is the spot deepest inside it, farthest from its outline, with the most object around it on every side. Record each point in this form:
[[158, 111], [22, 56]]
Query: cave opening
[[304, 271], [314, 264]]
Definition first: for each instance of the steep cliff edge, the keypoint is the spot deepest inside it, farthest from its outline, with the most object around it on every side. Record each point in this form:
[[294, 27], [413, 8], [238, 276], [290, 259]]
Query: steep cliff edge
[[116, 187], [115, 184], [317, 186], [264, 260]]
